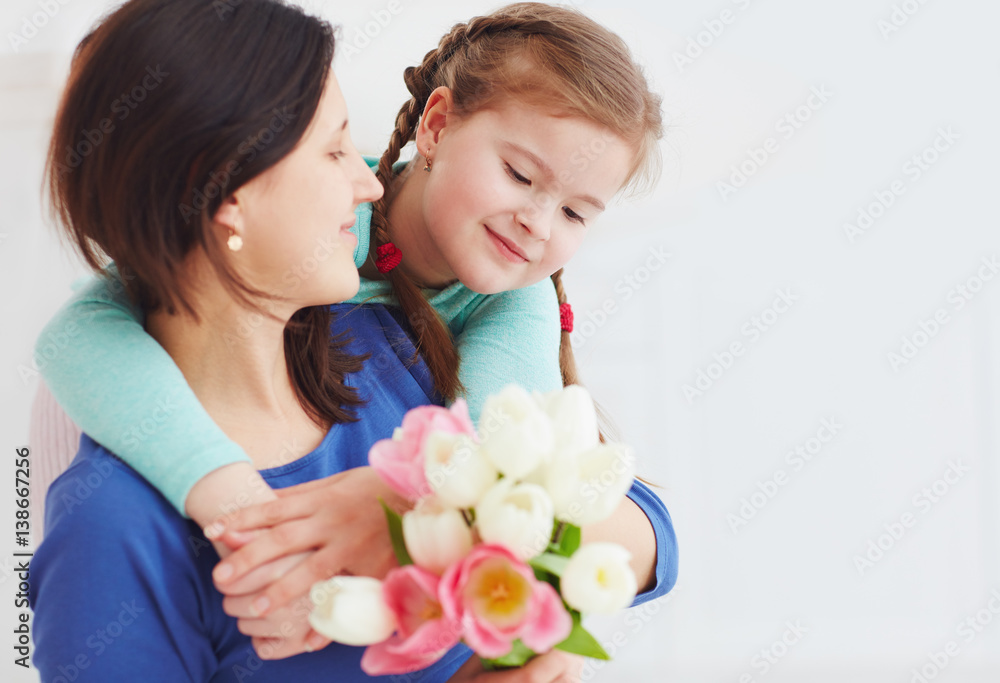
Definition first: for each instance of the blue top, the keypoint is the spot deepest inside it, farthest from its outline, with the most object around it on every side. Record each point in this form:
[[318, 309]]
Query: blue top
[[121, 586], [111, 377]]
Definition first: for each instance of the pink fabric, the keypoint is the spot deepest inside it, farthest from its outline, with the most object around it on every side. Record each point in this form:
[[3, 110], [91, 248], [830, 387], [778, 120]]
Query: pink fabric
[[54, 440]]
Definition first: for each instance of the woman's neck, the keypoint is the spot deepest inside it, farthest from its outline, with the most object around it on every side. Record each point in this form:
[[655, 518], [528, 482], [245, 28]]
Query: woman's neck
[[234, 361], [422, 261]]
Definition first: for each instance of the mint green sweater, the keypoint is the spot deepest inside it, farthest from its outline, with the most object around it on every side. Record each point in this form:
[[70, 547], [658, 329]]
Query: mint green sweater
[[120, 386]]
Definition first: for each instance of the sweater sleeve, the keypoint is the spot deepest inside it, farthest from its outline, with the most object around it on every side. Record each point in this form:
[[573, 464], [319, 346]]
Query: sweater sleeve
[[125, 391], [666, 541], [511, 337]]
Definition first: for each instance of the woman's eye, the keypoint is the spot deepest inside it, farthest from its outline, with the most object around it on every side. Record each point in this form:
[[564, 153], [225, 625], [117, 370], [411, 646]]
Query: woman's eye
[[573, 215], [516, 176], [337, 155]]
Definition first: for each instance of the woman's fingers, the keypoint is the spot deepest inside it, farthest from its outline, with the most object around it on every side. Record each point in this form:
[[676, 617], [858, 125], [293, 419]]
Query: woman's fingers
[[316, 641], [262, 576], [234, 540], [309, 486], [278, 648], [552, 667], [320, 565], [285, 539], [262, 515], [239, 606]]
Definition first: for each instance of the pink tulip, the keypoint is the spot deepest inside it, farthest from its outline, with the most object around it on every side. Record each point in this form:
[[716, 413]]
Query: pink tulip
[[399, 461], [496, 600], [424, 633]]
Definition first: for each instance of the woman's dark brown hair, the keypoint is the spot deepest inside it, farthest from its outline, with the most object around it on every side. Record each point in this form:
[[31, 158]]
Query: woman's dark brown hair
[[170, 107]]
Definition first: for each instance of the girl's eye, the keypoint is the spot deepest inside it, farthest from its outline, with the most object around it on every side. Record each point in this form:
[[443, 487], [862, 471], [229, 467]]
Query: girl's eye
[[516, 176], [573, 215]]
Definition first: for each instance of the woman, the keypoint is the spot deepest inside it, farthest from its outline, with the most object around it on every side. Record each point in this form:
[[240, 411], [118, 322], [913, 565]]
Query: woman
[[238, 130]]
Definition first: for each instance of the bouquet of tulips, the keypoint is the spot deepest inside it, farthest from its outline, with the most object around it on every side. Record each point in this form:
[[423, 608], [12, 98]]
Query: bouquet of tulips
[[490, 555]]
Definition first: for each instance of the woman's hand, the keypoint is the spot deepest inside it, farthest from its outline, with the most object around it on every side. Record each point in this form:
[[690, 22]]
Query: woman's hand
[[553, 667], [283, 633], [338, 518]]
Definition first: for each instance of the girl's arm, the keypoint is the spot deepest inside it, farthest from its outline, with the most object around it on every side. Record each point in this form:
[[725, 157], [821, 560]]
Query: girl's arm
[[514, 337], [125, 391], [511, 337], [643, 526]]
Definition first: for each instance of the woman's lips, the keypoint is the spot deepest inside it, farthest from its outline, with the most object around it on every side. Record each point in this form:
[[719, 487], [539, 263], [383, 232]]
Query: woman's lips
[[345, 231], [507, 249]]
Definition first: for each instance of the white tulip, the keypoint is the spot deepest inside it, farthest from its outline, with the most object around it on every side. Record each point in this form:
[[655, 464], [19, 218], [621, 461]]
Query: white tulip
[[517, 516], [436, 537], [573, 416], [598, 579], [456, 469], [515, 433], [587, 487], [351, 610]]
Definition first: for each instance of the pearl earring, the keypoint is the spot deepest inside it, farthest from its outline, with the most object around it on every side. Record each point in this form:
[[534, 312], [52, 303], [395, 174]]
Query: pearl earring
[[235, 242]]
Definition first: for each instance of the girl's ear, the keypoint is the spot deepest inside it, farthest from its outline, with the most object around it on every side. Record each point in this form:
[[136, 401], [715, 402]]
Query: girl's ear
[[438, 115]]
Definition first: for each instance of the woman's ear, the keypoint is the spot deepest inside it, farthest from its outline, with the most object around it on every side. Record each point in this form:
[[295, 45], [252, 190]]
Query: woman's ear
[[438, 115], [229, 218], [228, 215]]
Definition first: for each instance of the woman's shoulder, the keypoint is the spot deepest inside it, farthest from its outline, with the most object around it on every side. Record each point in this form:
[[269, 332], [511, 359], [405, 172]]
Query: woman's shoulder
[[99, 491]]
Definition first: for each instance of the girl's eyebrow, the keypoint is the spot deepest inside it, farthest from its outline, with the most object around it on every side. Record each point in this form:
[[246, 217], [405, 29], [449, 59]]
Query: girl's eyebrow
[[547, 170]]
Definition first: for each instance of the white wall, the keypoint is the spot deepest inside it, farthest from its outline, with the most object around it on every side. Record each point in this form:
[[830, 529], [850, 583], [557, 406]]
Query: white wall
[[824, 358]]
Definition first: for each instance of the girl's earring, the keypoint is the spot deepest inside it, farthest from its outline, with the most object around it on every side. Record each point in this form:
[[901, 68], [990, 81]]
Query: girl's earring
[[235, 242], [428, 158]]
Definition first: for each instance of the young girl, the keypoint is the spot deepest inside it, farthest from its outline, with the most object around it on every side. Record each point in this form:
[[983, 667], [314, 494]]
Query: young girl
[[527, 123]]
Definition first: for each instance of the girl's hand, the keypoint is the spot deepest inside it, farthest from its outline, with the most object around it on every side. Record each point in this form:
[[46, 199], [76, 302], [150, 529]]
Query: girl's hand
[[553, 667], [339, 518]]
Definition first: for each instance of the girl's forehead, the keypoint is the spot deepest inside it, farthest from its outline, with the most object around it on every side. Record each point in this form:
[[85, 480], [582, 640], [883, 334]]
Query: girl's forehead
[[536, 121]]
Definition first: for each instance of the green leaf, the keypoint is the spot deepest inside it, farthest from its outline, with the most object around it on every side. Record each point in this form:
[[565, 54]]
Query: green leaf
[[567, 541], [396, 534], [550, 562], [580, 642], [517, 657]]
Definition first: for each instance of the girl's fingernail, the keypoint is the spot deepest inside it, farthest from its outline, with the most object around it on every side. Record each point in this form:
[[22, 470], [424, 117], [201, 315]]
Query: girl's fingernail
[[213, 531], [223, 572], [259, 606]]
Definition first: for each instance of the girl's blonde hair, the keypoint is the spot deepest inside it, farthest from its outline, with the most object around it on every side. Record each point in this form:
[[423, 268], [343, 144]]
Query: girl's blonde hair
[[538, 54]]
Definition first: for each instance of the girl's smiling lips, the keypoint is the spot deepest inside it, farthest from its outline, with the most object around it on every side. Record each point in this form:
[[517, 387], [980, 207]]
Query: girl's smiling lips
[[507, 248]]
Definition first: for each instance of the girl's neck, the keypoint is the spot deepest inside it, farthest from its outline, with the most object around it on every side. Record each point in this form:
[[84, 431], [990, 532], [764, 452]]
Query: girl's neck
[[235, 364], [422, 261]]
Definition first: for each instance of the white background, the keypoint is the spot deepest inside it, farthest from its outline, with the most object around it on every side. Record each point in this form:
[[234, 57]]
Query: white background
[[825, 357]]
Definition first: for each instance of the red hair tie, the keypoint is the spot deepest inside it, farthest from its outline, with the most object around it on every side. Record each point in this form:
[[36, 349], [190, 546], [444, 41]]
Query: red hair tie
[[389, 256], [566, 317]]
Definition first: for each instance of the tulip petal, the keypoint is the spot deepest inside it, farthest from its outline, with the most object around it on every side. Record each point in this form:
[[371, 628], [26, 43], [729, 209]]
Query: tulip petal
[[385, 658], [393, 464], [550, 623]]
